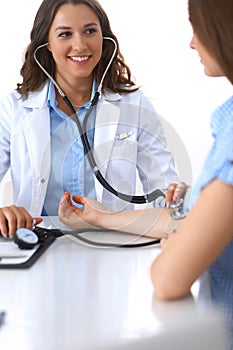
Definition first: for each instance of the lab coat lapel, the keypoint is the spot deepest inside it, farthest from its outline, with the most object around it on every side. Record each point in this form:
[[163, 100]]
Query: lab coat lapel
[[37, 131], [107, 118], [37, 134]]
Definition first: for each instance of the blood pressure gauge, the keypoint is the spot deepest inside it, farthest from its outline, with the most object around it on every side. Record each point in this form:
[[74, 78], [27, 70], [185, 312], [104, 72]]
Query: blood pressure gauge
[[25, 238]]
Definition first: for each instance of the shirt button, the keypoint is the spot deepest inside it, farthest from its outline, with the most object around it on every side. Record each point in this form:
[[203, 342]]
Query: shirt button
[[42, 181]]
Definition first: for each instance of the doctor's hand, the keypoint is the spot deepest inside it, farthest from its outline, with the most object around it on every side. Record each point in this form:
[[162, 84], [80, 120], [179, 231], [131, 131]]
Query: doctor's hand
[[13, 217], [176, 191], [86, 214]]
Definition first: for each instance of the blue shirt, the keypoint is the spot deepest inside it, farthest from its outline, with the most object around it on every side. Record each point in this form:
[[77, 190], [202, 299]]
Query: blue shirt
[[219, 164], [70, 169]]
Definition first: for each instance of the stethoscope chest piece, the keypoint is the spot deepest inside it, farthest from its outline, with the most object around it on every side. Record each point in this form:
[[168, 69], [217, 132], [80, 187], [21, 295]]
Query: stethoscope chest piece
[[179, 211], [25, 238]]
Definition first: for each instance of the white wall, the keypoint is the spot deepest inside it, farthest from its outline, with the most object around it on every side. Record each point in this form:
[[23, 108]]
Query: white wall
[[154, 37]]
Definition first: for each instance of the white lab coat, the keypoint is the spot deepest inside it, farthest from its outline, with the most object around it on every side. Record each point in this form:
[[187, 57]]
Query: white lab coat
[[128, 136]]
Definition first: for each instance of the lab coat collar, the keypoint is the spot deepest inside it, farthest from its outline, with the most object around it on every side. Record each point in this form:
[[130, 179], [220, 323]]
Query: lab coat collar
[[111, 96], [38, 98]]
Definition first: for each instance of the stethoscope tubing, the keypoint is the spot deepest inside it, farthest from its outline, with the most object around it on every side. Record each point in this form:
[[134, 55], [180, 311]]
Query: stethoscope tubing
[[43, 233], [87, 149]]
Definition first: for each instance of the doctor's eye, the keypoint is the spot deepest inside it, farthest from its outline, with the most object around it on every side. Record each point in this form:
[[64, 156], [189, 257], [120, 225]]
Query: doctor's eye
[[91, 30], [64, 34]]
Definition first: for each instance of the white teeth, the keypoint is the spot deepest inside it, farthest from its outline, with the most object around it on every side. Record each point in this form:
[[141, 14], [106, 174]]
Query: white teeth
[[79, 59]]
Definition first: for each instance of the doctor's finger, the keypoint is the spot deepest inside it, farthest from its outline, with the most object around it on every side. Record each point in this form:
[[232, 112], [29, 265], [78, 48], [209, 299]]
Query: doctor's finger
[[3, 224], [25, 219], [176, 191], [8, 221], [180, 191], [170, 192], [17, 217]]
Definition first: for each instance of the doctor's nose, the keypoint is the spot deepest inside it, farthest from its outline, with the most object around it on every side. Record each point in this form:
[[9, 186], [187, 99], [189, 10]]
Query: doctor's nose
[[79, 44]]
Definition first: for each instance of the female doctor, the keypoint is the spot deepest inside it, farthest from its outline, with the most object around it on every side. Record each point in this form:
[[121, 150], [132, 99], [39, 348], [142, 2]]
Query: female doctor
[[73, 52]]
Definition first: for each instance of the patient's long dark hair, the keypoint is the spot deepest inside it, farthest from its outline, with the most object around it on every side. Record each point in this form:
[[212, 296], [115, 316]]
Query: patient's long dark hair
[[212, 21]]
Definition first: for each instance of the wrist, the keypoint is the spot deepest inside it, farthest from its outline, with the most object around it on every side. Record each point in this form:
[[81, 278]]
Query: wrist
[[163, 225], [102, 219]]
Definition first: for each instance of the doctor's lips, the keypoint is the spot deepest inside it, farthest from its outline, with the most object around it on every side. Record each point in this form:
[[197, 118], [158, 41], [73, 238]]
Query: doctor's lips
[[79, 59]]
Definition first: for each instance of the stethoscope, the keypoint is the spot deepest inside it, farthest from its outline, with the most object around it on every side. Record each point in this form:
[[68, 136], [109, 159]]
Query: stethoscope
[[28, 239], [82, 130]]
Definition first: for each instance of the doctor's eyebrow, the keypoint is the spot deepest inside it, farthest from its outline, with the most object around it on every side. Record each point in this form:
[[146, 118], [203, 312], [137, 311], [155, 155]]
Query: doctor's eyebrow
[[91, 24]]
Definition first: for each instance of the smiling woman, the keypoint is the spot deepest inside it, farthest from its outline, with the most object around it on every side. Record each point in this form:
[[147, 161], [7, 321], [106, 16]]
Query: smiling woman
[[76, 49], [72, 42]]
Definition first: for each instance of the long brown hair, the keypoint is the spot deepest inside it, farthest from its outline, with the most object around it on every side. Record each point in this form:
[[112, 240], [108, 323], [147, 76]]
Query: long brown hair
[[118, 78], [212, 21]]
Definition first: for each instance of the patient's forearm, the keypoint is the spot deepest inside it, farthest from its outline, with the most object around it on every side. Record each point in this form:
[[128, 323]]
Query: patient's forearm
[[153, 222]]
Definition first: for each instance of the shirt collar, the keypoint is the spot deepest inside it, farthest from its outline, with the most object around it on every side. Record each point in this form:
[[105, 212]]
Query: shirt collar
[[51, 97]]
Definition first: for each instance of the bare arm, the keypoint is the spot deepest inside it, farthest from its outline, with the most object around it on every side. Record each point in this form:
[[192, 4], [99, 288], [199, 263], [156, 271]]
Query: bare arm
[[154, 222], [200, 239]]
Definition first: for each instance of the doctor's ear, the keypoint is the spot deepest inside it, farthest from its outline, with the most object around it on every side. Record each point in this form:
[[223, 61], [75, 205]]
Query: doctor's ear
[[48, 47]]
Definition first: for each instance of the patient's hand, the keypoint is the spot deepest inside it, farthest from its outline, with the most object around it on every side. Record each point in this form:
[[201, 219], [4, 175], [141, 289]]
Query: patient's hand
[[76, 217]]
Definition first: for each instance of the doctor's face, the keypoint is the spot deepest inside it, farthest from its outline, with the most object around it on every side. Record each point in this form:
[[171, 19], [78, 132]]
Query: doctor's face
[[75, 41], [211, 66]]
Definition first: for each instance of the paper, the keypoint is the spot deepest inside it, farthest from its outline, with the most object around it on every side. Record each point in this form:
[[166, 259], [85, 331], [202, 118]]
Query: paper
[[10, 253]]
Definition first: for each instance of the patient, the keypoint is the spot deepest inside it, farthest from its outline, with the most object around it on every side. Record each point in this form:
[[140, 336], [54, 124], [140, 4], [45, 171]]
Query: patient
[[204, 239]]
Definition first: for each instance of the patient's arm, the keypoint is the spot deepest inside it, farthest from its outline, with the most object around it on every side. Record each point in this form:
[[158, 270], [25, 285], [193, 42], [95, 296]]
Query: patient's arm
[[152, 222]]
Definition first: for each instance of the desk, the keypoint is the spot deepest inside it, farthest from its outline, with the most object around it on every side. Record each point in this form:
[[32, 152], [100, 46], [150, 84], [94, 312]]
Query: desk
[[80, 297]]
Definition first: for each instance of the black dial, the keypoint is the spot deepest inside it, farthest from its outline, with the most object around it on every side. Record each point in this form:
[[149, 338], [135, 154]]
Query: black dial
[[25, 238]]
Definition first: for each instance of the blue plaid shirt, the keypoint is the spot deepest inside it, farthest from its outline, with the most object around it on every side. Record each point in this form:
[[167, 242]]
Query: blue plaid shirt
[[219, 164]]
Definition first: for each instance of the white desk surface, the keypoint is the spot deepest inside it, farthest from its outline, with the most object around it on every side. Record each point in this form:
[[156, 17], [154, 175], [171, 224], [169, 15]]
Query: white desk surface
[[80, 297]]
